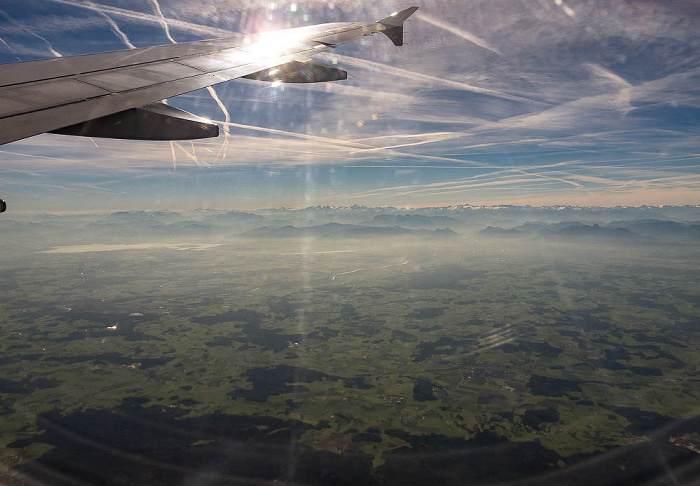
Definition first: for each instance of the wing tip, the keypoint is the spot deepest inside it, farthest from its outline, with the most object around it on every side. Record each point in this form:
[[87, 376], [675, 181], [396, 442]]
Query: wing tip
[[392, 26], [398, 18]]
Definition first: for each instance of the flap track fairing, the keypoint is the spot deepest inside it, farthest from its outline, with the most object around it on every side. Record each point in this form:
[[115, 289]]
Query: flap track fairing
[[300, 72], [157, 121]]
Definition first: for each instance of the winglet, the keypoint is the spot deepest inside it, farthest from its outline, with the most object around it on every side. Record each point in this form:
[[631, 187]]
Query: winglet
[[392, 26]]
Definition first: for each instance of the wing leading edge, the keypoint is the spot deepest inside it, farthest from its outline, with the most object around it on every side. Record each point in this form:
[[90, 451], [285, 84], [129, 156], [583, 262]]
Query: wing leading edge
[[116, 94]]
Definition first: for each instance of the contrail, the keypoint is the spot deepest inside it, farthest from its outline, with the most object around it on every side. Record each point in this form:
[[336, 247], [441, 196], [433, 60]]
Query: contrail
[[345, 144], [34, 34], [45, 157], [163, 22], [458, 32], [149, 18], [222, 107], [211, 90], [112, 24], [426, 78], [192, 156], [605, 73], [398, 136], [624, 98], [48, 44], [227, 117], [465, 187], [9, 48], [174, 157], [492, 178], [295, 135], [439, 137], [559, 179]]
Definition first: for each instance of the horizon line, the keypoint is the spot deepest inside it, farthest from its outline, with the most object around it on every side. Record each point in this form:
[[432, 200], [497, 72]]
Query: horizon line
[[466, 206]]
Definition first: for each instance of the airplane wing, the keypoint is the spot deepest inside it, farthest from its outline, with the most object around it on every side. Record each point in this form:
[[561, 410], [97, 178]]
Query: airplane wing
[[116, 94]]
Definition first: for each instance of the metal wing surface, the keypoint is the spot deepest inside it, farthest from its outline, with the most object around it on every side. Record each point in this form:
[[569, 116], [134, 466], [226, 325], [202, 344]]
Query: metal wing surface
[[116, 94]]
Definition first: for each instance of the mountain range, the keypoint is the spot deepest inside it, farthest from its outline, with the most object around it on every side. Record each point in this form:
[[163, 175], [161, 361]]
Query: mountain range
[[633, 224]]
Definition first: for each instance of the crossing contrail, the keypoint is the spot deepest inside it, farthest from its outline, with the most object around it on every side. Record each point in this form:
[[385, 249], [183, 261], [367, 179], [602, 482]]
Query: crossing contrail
[[112, 24], [53, 51]]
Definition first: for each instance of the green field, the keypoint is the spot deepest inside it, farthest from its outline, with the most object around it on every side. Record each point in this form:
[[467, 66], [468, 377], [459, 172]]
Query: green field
[[345, 361]]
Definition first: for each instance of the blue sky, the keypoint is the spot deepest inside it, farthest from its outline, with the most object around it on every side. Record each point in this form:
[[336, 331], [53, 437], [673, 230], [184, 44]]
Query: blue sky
[[490, 102]]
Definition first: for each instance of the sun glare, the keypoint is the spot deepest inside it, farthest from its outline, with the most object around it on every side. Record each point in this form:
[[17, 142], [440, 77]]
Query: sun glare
[[276, 43]]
